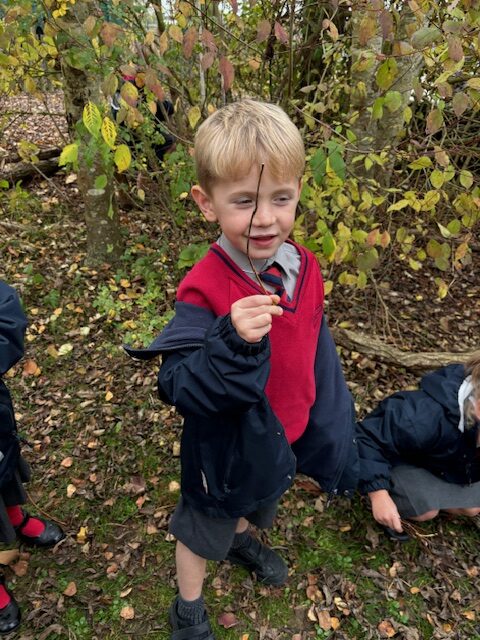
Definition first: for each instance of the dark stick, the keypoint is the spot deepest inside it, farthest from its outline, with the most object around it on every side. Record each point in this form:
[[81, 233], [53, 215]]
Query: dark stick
[[259, 280]]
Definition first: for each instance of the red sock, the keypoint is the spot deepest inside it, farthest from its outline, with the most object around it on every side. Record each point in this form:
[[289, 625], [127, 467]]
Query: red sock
[[34, 526], [4, 597]]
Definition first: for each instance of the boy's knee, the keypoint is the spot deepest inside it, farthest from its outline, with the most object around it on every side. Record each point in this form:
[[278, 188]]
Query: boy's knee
[[471, 512]]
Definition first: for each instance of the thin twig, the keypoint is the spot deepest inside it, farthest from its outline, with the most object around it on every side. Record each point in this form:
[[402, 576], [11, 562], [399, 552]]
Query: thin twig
[[259, 280]]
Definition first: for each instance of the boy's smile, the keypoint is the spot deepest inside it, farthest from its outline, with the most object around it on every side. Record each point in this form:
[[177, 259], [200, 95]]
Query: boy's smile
[[231, 204]]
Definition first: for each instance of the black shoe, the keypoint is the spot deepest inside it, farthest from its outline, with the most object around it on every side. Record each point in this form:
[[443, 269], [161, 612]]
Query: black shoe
[[395, 535], [264, 562], [50, 536], [202, 631], [10, 615]]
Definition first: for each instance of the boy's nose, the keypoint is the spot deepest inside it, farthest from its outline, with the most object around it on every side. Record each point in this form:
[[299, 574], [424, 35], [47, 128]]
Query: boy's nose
[[263, 216]]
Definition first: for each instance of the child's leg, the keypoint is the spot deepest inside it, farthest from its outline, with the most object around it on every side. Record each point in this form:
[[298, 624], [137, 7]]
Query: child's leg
[[470, 512], [190, 572]]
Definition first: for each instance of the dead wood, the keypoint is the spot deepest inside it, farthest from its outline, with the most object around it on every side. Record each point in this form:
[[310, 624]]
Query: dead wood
[[378, 350], [23, 170], [43, 154]]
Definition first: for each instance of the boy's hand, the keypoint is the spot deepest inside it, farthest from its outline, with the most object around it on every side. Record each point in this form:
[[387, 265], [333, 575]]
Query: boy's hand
[[385, 510], [252, 316]]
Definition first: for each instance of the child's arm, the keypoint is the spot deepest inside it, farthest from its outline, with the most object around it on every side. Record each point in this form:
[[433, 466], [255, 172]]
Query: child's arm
[[12, 328], [227, 373], [384, 510]]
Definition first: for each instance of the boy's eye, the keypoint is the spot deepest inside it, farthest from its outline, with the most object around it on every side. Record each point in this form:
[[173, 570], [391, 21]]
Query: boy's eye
[[282, 199], [243, 202]]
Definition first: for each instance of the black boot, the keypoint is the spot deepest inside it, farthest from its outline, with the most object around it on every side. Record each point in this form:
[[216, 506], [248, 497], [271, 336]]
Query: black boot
[[10, 614]]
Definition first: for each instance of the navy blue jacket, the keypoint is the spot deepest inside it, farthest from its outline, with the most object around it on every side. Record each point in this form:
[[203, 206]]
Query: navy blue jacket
[[419, 428], [234, 453], [12, 329]]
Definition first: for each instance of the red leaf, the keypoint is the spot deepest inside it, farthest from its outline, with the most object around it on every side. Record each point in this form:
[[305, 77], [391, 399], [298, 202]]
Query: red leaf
[[109, 33], [228, 72], [280, 33], [189, 40], [227, 620], [263, 30], [207, 60], [386, 22], [234, 4], [208, 40]]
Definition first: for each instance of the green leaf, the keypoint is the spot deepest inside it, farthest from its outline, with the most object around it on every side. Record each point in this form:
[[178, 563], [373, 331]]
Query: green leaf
[[377, 109], [101, 182], [454, 227], [338, 165], [425, 37], [328, 244], [466, 179], [387, 73], [437, 178], [367, 260], [319, 166], [421, 163], [69, 155], [92, 119], [122, 157], [393, 100]]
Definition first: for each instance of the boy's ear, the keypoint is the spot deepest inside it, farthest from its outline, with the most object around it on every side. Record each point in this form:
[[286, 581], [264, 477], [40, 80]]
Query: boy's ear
[[204, 203]]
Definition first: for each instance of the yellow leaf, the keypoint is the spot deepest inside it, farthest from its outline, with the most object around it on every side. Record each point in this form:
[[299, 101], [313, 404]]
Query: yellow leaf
[[175, 33], [65, 349], [82, 535], [163, 43], [71, 489], [122, 157], [194, 115], [92, 118], [108, 396], [109, 132]]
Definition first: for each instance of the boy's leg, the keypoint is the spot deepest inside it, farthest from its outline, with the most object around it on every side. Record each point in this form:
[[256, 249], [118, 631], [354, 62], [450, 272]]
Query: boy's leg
[[190, 572]]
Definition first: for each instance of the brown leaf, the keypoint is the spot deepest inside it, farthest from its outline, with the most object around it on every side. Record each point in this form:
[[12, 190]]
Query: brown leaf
[[263, 30], [70, 590], [109, 33], [20, 568], [227, 71], [455, 49], [324, 619], [30, 368], [127, 613], [227, 620], [67, 462], [386, 629]]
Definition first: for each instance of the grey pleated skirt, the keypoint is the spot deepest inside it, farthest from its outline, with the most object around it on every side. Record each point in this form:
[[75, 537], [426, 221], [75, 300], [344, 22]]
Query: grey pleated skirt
[[11, 494], [416, 491]]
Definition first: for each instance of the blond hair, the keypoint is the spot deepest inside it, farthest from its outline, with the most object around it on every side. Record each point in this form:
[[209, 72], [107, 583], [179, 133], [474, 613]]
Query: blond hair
[[473, 368], [244, 133]]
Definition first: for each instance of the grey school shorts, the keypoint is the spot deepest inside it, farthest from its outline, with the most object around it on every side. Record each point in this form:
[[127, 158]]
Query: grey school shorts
[[211, 538]]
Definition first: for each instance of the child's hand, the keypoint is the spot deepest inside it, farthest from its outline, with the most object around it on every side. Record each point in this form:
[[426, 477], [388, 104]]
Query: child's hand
[[385, 510], [252, 316]]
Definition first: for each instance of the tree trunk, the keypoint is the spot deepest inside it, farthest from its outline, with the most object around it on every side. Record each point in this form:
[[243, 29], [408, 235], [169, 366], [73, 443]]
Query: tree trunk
[[374, 135], [104, 240]]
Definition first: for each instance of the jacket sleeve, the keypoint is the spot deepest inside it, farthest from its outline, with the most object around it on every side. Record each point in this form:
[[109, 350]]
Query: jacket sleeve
[[402, 428], [224, 374], [12, 328]]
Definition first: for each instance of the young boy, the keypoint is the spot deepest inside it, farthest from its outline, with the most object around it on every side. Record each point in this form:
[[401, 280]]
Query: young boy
[[250, 365], [15, 522]]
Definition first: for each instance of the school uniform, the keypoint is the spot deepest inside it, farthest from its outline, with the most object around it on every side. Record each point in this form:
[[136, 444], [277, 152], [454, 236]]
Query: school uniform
[[254, 414], [421, 448]]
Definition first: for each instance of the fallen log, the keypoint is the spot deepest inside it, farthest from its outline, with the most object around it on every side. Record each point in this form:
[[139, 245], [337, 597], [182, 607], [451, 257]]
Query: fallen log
[[378, 350], [43, 154], [23, 170]]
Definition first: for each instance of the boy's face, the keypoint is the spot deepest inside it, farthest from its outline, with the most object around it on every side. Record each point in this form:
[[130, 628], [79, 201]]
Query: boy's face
[[231, 204]]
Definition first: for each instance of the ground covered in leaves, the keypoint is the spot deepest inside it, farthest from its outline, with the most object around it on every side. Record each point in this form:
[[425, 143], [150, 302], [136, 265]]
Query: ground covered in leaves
[[104, 453]]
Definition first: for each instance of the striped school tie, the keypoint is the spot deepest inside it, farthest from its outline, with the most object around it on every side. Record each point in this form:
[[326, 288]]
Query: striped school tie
[[273, 277]]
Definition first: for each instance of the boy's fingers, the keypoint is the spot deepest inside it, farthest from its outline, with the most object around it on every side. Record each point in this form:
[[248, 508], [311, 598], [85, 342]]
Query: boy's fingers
[[255, 301]]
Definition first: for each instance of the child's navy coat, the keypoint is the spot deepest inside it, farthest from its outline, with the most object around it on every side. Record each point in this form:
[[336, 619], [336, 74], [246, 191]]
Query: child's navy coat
[[12, 328], [419, 428]]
